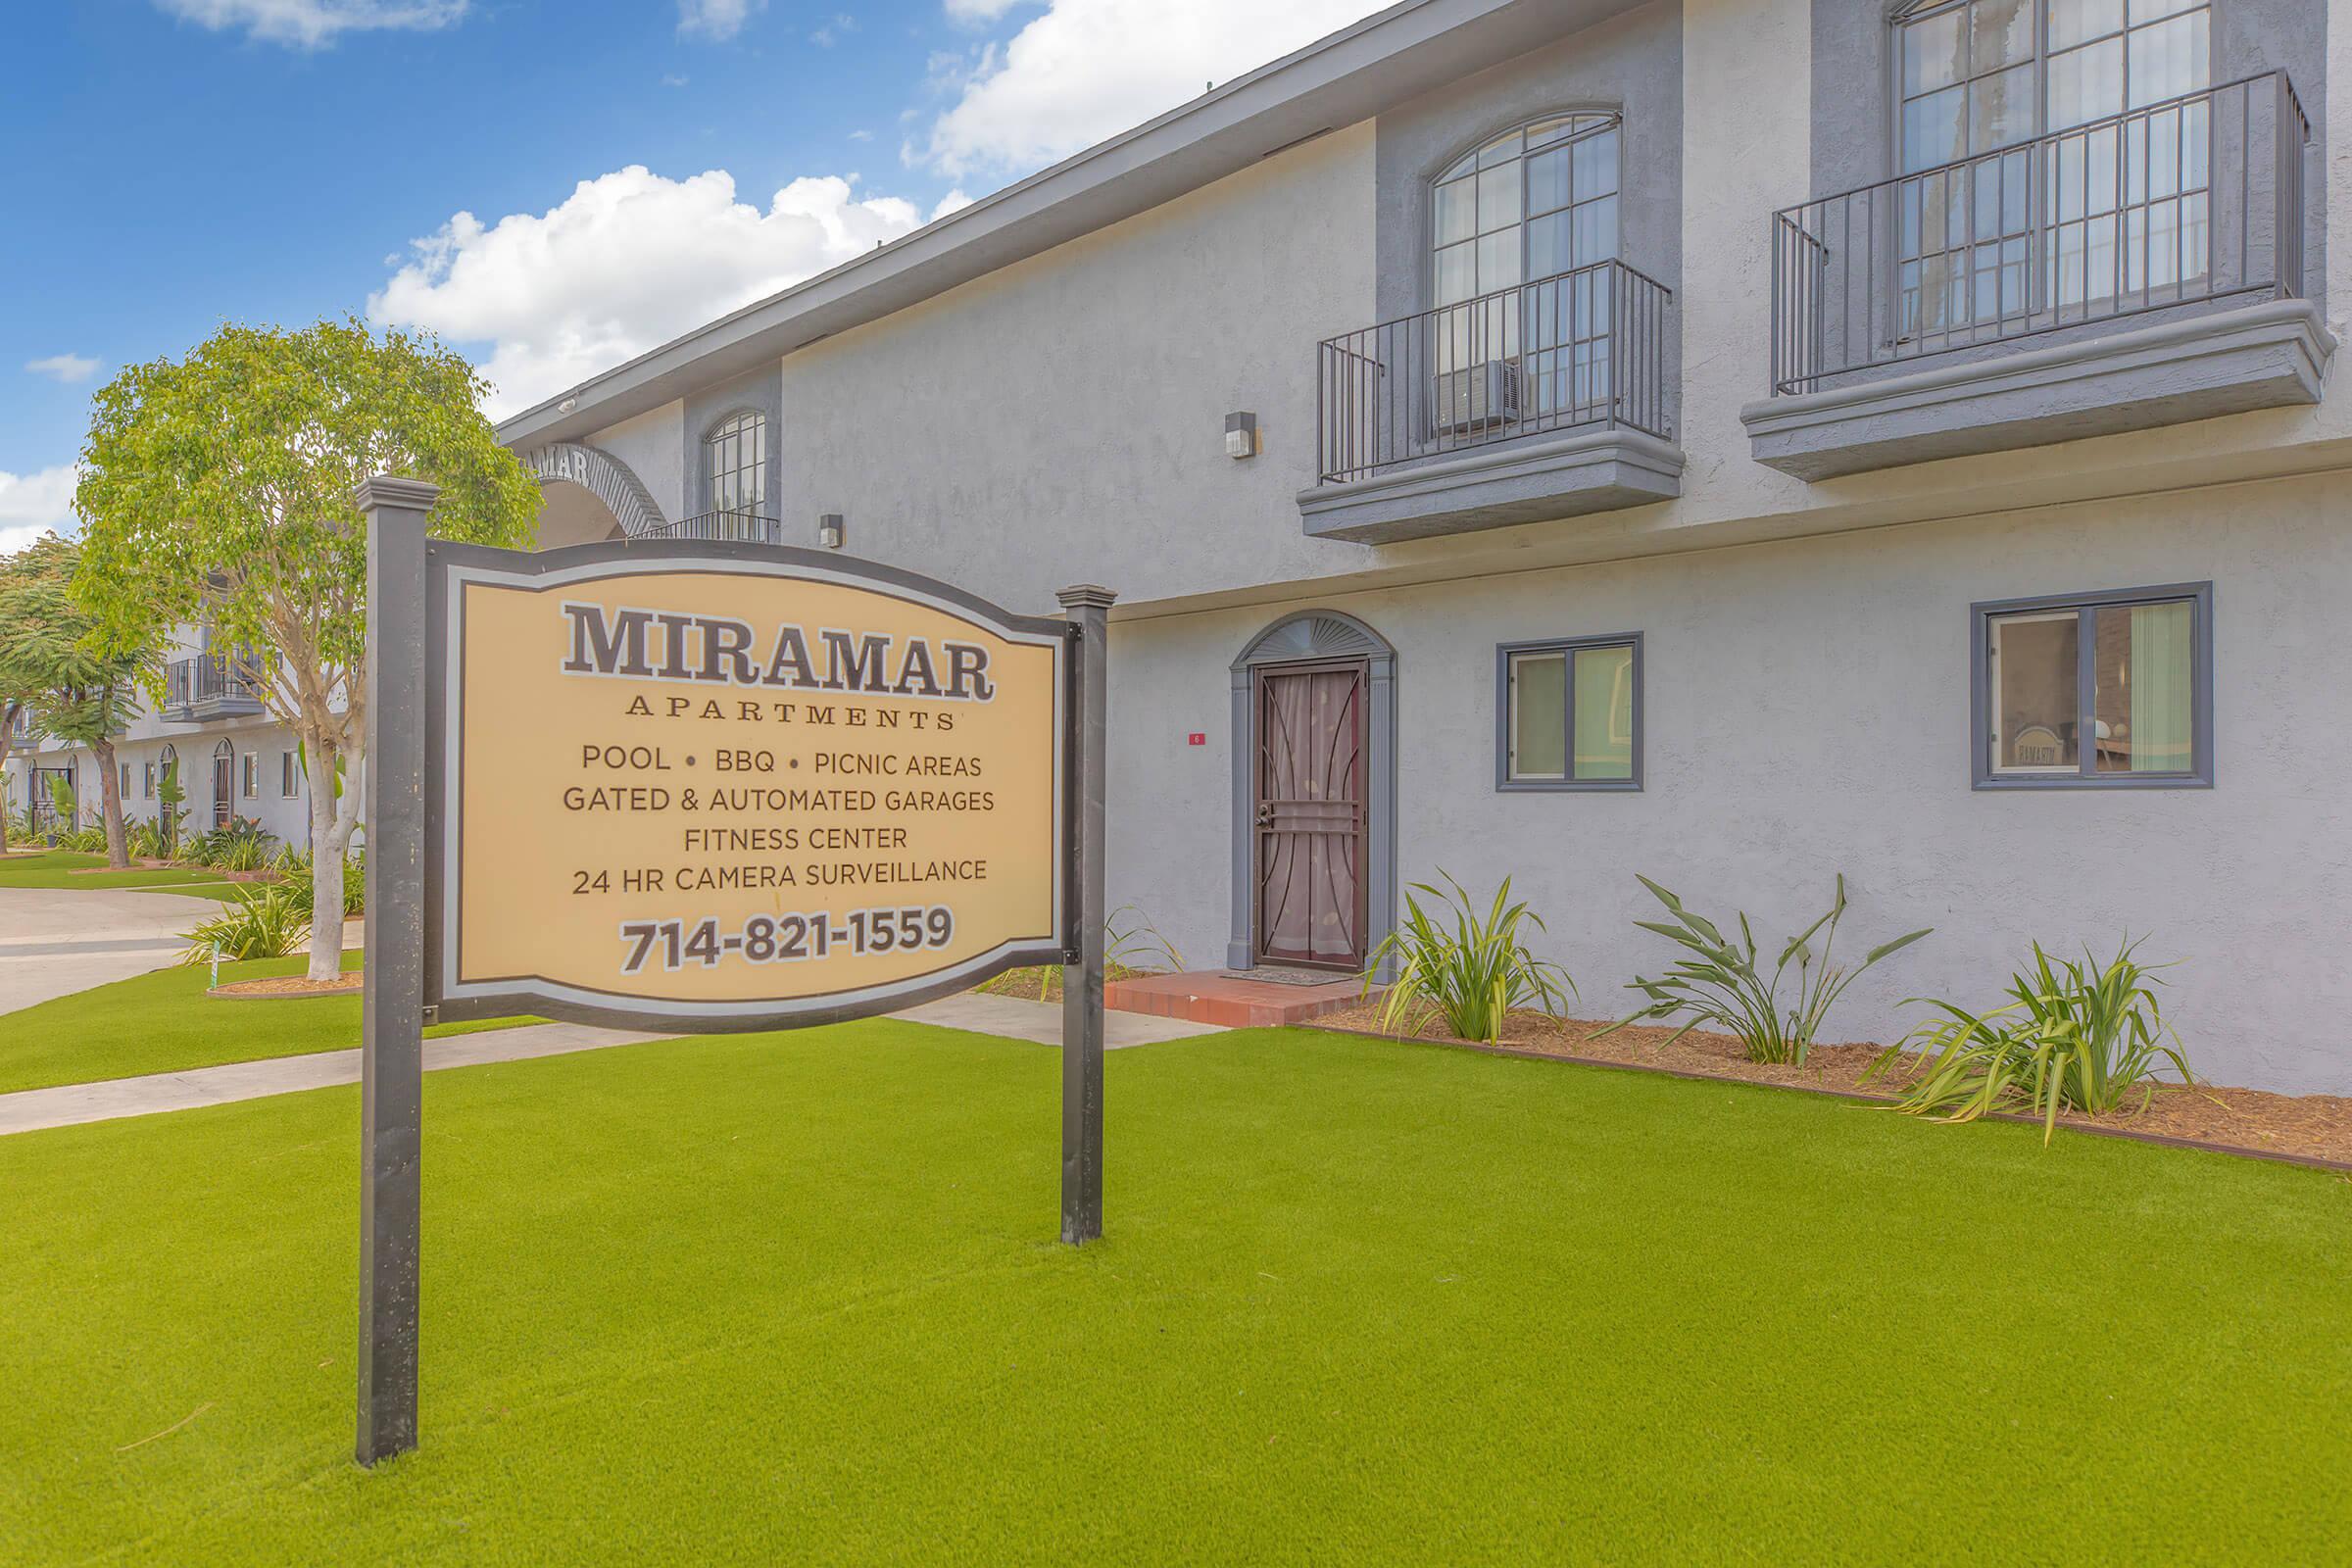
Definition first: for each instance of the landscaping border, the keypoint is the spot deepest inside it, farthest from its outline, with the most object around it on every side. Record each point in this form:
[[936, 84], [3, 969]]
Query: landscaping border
[[2278, 1156]]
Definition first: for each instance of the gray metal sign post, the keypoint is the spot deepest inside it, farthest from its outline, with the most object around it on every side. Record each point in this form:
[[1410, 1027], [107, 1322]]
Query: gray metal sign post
[[1089, 611], [392, 1005], [414, 873]]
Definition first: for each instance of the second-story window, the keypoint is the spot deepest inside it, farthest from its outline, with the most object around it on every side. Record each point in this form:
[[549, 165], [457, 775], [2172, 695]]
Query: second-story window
[[1530, 204], [735, 463], [2114, 203]]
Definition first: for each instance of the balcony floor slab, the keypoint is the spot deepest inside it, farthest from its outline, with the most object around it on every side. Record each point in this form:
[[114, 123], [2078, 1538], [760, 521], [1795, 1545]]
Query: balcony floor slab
[[2273, 354], [1531, 479]]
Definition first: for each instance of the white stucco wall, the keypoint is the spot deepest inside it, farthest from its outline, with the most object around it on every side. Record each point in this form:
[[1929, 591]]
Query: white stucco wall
[[1807, 714], [1062, 420], [654, 447]]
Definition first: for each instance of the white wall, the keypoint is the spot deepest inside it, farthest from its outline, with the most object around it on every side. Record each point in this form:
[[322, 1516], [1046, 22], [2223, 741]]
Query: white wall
[[1062, 420], [1807, 714]]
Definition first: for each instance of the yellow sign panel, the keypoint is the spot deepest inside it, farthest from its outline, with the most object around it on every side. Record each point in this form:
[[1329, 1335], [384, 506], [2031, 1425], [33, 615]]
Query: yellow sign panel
[[746, 789]]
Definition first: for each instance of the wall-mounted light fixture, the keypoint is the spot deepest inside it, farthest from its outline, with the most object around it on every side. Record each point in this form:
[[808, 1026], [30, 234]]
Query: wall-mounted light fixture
[[568, 405], [829, 530], [1240, 435]]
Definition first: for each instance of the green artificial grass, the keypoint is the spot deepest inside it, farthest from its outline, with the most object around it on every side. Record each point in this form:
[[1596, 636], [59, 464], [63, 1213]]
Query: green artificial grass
[[68, 869], [764, 1299], [164, 1022]]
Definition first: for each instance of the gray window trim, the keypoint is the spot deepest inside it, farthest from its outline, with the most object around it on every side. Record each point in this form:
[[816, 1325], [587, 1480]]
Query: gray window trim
[[707, 482], [1504, 783], [2200, 775]]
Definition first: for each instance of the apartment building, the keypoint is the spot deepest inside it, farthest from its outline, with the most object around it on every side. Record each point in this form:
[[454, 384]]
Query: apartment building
[[1736, 442], [231, 757]]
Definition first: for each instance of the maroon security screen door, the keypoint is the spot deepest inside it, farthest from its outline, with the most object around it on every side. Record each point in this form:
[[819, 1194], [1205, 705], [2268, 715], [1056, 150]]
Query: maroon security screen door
[[1311, 813]]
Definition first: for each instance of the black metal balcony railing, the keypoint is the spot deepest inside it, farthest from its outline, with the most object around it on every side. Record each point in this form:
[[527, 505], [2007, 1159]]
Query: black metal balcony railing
[[207, 684], [734, 525], [2195, 197], [1586, 347]]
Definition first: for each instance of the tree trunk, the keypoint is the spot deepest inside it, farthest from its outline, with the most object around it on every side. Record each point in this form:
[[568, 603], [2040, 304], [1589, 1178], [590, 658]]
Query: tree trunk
[[110, 806], [326, 860], [8, 732]]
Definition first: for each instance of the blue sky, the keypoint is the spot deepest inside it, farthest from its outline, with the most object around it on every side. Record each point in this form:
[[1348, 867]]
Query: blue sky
[[551, 185]]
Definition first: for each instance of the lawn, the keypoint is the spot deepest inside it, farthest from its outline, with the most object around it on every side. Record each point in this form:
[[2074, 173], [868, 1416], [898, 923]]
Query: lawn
[[164, 1022], [762, 1298], [67, 869]]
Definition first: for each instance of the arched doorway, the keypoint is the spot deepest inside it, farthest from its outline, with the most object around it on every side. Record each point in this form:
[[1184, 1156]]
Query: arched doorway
[[1314, 792], [588, 495]]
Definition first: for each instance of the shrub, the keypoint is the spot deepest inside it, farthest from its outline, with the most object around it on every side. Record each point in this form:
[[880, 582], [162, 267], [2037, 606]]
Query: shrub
[[83, 840], [242, 844], [299, 881], [1473, 972], [143, 841], [260, 923], [2080, 1036], [1721, 982]]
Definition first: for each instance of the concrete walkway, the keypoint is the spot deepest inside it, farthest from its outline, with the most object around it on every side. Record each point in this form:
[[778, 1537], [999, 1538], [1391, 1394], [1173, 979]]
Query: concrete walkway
[[54, 942], [70, 1104]]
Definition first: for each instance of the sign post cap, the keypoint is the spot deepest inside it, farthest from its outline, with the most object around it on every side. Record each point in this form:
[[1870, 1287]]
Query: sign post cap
[[1084, 596], [396, 494]]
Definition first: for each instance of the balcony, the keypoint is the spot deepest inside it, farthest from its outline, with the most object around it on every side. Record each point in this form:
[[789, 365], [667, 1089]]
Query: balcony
[[1547, 400], [210, 686], [19, 736], [2138, 270]]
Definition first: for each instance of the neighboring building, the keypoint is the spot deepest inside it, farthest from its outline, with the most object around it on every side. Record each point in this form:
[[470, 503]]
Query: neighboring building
[[233, 758], [1734, 443]]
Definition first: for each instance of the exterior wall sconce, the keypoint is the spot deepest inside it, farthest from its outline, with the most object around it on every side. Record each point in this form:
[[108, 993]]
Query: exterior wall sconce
[[829, 530], [1240, 435]]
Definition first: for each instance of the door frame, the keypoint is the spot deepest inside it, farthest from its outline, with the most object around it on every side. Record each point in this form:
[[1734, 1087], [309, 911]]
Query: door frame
[[1361, 668], [1315, 636], [224, 783]]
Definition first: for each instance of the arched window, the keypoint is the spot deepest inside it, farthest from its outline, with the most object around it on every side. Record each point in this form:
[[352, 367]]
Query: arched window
[[735, 464], [1538, 201], [2113, 205]]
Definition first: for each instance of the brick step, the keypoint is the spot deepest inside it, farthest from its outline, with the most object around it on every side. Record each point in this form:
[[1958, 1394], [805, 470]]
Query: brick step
[[1209, 996]]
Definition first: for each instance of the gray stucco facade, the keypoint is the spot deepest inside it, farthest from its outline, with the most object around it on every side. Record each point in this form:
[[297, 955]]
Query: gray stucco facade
[[1050, 409]]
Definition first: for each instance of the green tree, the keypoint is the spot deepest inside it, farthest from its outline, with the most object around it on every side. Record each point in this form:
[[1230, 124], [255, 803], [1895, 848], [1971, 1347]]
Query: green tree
[[219, 489], [82, 684]]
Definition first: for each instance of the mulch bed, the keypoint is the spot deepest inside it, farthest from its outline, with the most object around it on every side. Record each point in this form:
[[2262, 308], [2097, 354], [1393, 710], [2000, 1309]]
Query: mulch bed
[[2315, 1128], [292, 986]]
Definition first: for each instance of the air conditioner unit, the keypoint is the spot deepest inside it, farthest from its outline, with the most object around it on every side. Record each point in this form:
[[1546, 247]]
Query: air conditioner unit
[[1477, 396]]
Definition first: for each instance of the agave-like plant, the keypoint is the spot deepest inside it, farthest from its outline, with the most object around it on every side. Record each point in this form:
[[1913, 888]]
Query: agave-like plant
[[1473, 972], [2079, 1035], [1723, 984], [260, 923]]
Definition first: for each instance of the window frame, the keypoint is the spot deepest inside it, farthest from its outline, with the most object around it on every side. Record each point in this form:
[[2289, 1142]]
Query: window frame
[[730, 425], [1505, 782], [1433, 245], [1982, 740], [290, 776]]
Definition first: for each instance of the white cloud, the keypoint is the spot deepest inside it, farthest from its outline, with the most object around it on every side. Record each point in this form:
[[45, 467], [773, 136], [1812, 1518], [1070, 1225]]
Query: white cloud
[[970, 11], [32, 504], [954, 201], [63, 368], [313, 23], [628, 261], [832, 32], [1090, 69], [716, 19], [671, 78]]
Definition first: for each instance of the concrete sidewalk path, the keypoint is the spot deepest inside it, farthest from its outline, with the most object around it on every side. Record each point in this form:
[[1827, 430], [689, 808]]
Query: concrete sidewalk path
[[55, 942], [70, 1104]]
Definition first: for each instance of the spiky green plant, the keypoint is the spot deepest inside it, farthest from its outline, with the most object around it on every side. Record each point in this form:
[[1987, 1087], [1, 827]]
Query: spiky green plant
[[1722, 983], [2079, 1035], [257, 923], [1473, 972]]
